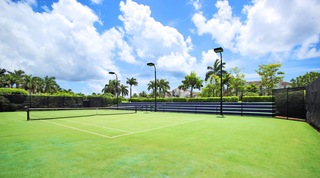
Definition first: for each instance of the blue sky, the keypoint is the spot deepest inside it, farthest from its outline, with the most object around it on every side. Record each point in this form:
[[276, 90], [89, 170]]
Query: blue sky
[[79, 42]]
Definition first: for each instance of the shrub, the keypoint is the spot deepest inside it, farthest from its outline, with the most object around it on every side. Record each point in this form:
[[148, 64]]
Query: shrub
[[257, 98], [202, 99], [4, 104], [13, 91]]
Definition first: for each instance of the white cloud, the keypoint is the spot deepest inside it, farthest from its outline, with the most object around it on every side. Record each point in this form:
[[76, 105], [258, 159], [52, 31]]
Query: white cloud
[[196, 4], [223, 26], [271, 27], [308, 48], [63, 42], [153, 41], [96, 1]]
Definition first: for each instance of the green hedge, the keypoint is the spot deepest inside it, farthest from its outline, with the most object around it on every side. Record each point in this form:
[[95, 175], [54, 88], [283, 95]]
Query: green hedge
[[203, 99], [257, 99], [13, 91]]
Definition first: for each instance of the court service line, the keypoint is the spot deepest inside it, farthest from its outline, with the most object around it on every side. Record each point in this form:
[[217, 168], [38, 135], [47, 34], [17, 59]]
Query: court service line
[[157, 128], [99, 126], [81, 130]]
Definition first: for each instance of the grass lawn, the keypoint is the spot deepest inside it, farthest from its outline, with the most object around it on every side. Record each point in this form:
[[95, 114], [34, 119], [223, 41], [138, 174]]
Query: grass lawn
[[157, 145]]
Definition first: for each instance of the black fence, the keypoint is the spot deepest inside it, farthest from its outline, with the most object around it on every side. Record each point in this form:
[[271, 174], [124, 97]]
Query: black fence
[[313, 103], [236, 108], [290, 102], [20, 102]]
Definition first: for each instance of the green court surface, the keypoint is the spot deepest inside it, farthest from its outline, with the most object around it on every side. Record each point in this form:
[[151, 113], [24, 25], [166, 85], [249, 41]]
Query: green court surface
[[157, 145]]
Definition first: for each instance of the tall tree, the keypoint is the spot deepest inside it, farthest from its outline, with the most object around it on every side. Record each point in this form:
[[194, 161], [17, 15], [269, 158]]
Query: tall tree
[[31, 83], [163, 86], [2, 72], [9, 80], [50, 85], [215, 69], [18, 77], [111, 87], [213, 75], [151, 86], [305, 79], [132, 82], [237, 82], [270, 76], [191, 81], [123, 90]]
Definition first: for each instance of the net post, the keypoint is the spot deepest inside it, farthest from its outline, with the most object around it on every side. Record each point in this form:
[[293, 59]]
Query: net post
[[28, 113]]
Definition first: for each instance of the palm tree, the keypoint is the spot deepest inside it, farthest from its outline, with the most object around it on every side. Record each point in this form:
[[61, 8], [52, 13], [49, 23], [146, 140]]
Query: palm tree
[[31, 83], [215, 69], [123, 90], [132, 81], [2, 72], [151, 86], [110, 87], [163, 86], [50, 85], [9, 80], [18, 77]]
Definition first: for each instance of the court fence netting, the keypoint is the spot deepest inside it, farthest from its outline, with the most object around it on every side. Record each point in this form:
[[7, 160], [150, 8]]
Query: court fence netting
[[13, 102], [60, 113], [290, 103], [313, 103]]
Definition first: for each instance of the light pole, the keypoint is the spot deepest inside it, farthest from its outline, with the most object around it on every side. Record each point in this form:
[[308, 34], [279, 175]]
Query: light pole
[[113, 73], [220, 50], [155, 85]]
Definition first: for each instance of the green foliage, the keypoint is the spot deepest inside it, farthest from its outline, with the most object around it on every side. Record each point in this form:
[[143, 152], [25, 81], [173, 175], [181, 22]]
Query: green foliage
[[13, 91], [251, 94], [224, 99], [257, 99], [202, 99], [237, 82], [270, 76], [252, 87], [304, 79], [68, 94], [191, 81]]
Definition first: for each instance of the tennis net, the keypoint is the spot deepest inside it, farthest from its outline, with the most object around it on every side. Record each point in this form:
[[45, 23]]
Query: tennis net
[[60, 113]]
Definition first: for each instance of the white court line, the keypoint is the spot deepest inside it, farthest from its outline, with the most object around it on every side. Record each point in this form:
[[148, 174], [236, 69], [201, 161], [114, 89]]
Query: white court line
[[121, 135], [99, 126], [78, 129], [157, 128]]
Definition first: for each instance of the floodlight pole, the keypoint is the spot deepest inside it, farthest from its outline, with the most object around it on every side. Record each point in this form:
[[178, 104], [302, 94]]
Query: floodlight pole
[[113, 73], [220, 50], [155, 85]]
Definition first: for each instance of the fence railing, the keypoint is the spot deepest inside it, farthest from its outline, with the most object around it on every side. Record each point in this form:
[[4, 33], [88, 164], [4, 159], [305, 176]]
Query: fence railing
[[237, 108]]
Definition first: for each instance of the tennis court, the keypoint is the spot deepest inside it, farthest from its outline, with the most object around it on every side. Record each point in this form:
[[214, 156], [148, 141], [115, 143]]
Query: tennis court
[[115, 144]]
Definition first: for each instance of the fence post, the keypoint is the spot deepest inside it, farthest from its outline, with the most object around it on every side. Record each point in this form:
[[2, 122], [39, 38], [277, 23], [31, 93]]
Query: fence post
[[241, 109], [287, 103]]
